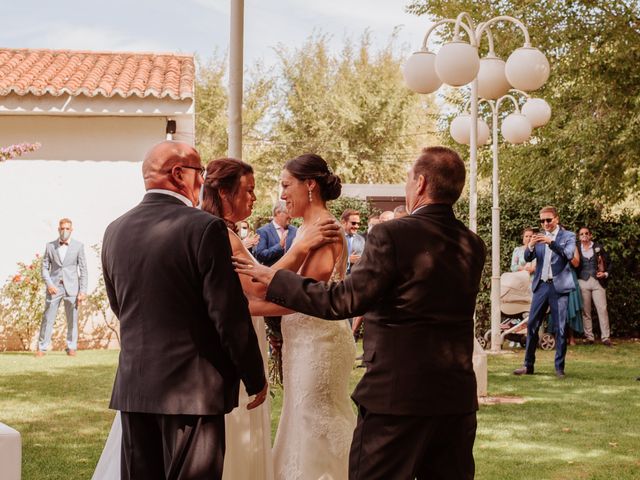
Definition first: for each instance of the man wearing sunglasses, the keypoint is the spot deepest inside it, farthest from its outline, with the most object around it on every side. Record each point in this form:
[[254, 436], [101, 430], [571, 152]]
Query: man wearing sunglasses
[[350, 220], [553, 248]]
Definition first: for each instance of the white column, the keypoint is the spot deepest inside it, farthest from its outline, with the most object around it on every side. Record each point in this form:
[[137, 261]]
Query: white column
[[496, 342], [235, 78]]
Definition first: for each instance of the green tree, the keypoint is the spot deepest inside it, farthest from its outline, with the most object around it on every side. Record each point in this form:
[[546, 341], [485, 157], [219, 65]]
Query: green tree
[[352, 108], [212, 106], [588, 151]]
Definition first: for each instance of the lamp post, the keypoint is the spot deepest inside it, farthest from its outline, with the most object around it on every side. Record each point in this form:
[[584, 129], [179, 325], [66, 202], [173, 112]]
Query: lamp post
[[457, 63], [516, 129]]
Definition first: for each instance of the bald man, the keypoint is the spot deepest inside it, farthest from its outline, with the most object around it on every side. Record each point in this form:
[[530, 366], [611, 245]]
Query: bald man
[[186, 333]]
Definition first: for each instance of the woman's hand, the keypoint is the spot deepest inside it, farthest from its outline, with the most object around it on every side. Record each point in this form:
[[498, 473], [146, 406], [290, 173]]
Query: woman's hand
[[321, 232], [251, 241], [257, 273]]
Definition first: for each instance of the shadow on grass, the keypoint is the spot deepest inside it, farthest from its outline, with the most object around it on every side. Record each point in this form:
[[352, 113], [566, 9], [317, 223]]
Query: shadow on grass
[[583, 426]]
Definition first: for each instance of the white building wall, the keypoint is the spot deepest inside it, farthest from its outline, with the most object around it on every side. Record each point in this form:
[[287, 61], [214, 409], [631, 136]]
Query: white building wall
[[88, 169]]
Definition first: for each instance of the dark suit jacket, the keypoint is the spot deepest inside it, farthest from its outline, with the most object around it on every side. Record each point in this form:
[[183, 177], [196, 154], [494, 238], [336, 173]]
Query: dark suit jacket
[[268, 249], [562, 251], [416, 283], [186, 332]]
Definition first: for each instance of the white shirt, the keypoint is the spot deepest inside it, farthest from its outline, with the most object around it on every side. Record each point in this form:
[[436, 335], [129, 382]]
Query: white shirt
[[587, 252], [177, 195], [546, 265], [419, 208], [62, 250]]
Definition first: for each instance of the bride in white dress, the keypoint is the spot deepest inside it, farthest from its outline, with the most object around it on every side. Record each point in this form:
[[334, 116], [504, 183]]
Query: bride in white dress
[[228, 193], [317, 421]]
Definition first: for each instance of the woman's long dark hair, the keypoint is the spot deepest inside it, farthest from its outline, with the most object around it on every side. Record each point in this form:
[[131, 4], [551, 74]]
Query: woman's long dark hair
[[313, 167], [223, 175]]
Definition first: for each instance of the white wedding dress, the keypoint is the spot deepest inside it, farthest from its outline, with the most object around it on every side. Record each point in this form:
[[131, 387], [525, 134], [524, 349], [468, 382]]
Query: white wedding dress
[[317, 421], [247, 436]]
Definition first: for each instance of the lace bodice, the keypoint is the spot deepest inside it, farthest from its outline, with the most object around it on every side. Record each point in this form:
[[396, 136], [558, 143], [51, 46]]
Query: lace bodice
[[317, 420]]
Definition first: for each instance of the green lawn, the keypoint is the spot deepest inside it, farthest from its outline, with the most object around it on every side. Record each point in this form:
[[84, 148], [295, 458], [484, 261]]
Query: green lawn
[[586, 426]]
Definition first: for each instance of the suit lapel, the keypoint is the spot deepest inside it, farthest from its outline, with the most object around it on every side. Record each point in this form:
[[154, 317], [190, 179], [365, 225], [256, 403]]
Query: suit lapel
[[55, 245]]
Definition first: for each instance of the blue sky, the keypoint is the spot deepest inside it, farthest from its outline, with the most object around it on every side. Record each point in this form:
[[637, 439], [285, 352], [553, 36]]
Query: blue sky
[[200, 26]]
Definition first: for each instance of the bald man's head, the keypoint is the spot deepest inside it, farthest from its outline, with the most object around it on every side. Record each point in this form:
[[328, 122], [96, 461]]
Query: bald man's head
[[173, 166]]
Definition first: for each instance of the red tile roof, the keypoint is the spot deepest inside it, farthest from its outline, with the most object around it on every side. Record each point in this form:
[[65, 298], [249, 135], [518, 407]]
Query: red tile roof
[[71, 72]]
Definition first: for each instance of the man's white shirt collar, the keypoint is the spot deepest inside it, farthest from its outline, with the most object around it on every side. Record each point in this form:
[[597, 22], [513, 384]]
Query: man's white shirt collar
[[177, 195], [419, 208]]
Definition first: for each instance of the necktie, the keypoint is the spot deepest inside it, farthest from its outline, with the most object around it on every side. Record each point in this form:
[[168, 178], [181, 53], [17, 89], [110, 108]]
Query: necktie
[[546, 265], [64, 243]]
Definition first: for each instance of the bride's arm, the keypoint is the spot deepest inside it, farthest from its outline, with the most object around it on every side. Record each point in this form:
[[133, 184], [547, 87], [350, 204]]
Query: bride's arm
[[321, 262], [254, 291]]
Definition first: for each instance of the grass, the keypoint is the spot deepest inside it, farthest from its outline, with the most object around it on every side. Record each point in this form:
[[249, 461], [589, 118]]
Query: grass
[[583, 427]]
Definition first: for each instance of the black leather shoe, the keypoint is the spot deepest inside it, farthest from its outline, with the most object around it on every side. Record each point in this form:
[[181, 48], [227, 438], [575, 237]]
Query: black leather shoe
[[523, 371], [560, 374]]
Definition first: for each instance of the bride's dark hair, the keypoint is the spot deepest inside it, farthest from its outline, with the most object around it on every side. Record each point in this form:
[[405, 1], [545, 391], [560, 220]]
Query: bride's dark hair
[[313, 167], [223, 175]]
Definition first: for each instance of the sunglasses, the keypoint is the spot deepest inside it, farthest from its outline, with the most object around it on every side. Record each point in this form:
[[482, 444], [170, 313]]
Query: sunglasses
[[546, 220], [355, 223]]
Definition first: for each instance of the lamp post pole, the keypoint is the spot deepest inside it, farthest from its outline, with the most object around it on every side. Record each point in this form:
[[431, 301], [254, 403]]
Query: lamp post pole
[[234, 132], [517, 129], [457, 63]]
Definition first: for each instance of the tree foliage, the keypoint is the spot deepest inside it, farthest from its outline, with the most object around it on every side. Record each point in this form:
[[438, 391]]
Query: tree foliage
[[350, 107], [588, 151]]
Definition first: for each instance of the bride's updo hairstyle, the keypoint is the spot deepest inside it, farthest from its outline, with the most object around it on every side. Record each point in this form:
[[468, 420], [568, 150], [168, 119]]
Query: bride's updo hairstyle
[[313, 167], [223, 175]]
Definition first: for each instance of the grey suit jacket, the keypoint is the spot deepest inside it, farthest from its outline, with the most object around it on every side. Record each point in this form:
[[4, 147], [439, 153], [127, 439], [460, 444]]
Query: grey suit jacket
[[70, 274]]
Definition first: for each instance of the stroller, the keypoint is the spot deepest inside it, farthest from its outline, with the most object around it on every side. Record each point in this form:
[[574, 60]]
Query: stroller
[[515, 302]]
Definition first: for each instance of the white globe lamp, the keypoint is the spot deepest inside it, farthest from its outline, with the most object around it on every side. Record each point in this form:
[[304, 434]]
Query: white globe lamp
[[460, 130], [419, 72], [537, 111], [527, 69], [492, 81], [457, 63], [516, 128]]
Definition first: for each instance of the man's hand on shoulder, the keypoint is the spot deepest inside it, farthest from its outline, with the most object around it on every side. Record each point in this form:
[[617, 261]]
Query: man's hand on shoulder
[[257, 272]]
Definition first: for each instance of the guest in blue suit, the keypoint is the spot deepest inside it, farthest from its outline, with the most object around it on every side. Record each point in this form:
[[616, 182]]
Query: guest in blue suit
[[275, 237], [552, 283]]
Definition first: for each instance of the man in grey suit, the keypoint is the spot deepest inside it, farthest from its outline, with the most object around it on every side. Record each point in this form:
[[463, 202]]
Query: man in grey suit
[[64, 270]]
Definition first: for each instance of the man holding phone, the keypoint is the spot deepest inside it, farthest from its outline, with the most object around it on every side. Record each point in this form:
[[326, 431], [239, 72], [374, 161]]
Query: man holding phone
[[553, 248]]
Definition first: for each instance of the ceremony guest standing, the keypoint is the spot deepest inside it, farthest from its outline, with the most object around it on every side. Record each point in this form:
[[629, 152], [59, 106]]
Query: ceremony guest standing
[[373, 221], [249, 238], [275, 237], [417, 282], [64, 271], [186, 334], [552, 283], [350, 220], [400, 211], [593, 275], [518, 262], [386, 216]]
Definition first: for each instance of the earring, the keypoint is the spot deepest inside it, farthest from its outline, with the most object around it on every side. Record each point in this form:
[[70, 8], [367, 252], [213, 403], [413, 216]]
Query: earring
[[310, 199]]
